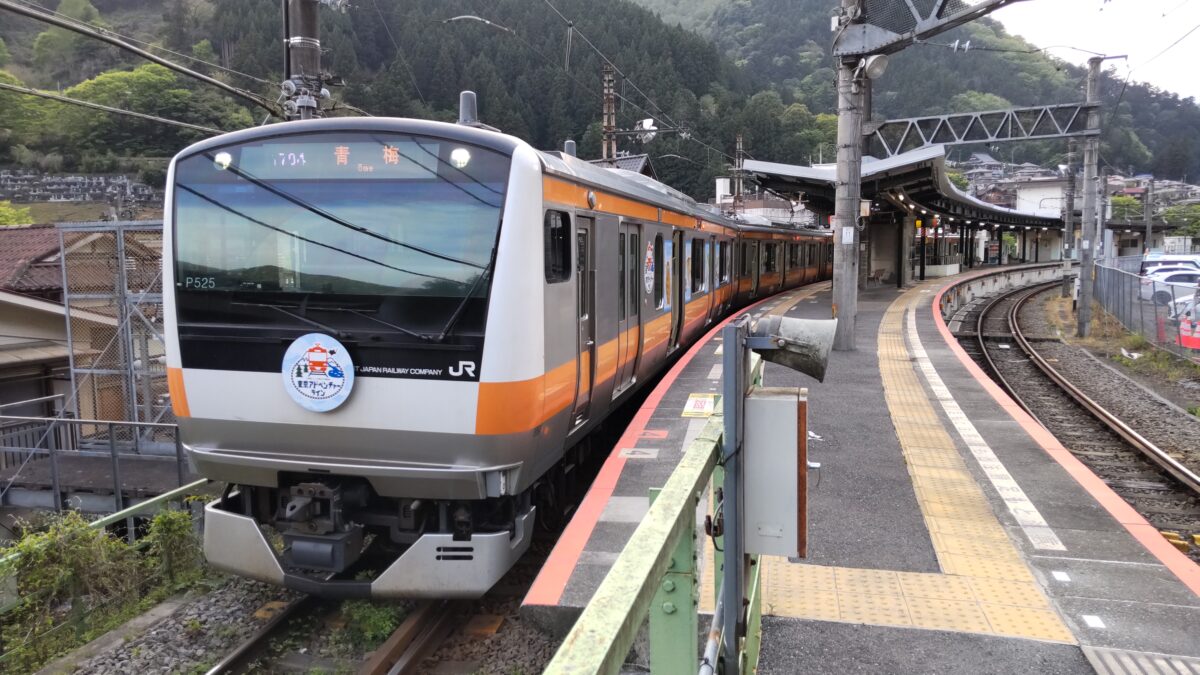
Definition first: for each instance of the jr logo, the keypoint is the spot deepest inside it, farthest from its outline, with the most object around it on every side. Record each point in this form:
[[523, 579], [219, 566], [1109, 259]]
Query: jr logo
[[463, 367]]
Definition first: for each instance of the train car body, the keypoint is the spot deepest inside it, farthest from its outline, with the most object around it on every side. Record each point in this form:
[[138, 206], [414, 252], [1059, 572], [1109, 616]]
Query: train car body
[[395, 332]]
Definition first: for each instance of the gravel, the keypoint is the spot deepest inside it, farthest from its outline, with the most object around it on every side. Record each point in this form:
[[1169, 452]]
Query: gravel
[[196, 635], [1162, 424]]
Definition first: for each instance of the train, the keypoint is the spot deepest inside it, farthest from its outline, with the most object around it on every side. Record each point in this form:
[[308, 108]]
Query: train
[[394, 335]]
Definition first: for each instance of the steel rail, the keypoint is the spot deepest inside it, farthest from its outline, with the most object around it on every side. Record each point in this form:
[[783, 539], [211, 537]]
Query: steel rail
[[417, 638], [987, 357], [238, 660], [1157, 455]]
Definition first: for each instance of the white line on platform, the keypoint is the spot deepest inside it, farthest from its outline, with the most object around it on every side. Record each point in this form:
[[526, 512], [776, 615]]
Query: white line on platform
[[715, 373], [1036, 529], [1059, 575], [1092, 620]]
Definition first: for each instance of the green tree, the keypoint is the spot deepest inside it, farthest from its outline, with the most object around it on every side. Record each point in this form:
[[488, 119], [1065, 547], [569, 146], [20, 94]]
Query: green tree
[[977, 101], [1185, 218], [4, 55], [23, 118], [958, 179], [14, 215], [62, 54], [150, 89], [1126, 208]]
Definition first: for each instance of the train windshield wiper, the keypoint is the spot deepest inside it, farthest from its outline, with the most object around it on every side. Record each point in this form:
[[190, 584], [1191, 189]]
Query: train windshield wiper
[[462, 306], [282, 310], [411, 333]]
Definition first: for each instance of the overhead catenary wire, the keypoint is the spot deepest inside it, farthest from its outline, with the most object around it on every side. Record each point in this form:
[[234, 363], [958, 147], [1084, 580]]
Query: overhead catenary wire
[[662, 114], [399, 52], [151, 45], [108, 109], [91, 31]]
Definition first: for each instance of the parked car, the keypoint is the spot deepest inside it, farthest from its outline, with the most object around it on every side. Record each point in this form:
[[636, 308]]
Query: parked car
[[1169, 267], [1158, 260], [1166, 287]]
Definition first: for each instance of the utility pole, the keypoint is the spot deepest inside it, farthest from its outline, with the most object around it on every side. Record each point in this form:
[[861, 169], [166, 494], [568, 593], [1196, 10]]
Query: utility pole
[[848, 192], [609, 143], [1149, 206], [739, 198], [302, 85], [1091, 154], [1069, 221]]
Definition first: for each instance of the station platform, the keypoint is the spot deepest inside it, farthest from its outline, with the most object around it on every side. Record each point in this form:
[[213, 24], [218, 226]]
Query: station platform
[[948, 531]]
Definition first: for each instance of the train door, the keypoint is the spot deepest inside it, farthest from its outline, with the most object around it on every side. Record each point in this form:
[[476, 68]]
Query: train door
[[585, 279], [629, 304], [675, 288]]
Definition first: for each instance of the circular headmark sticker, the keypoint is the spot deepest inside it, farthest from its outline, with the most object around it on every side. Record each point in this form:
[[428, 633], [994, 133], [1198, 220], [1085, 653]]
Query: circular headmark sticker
[[317, 372], [648, 274]]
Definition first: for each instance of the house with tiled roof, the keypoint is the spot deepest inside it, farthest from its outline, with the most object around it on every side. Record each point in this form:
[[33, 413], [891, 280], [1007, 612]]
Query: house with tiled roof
[[635, 163], [29, 261]]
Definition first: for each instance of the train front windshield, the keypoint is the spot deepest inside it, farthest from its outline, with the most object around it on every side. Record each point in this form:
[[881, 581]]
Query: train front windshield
[[396, 227]]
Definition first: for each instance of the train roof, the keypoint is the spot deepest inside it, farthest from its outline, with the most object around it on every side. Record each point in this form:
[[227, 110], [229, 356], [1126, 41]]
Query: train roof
[[626, 183], [646, 189]]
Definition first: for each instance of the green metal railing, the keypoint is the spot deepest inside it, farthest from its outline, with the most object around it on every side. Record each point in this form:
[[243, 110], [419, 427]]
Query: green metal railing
[[656, 580]]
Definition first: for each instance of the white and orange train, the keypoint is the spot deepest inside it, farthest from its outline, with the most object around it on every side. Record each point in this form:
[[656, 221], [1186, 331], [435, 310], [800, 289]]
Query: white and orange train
[[396, 332]]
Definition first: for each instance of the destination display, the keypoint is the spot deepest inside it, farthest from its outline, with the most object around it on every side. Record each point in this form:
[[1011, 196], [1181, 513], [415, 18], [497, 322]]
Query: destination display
[[299, 158]]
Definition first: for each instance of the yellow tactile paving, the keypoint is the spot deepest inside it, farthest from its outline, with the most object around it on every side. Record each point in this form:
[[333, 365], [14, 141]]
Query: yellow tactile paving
[[984, 587]]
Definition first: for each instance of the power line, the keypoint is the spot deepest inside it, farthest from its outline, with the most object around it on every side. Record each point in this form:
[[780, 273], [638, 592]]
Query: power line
[[151, 45], [609, 61], [625, 78], [109, 109], [1171, 46], [399, 52], [1129, 75], [91, 31]]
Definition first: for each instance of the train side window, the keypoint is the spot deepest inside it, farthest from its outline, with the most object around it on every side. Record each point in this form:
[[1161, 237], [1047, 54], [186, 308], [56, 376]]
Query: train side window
[[722, 266], [621, 275], [770, 252], [697, 265], [658, 271], [558, 247]]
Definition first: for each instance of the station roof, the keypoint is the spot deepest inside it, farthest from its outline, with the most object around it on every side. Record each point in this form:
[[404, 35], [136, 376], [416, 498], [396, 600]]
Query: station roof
[[919, 176]]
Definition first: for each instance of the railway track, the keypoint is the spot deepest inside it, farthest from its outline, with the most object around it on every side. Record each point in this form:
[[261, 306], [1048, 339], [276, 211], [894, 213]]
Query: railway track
[[417, 637], [1163, 489]]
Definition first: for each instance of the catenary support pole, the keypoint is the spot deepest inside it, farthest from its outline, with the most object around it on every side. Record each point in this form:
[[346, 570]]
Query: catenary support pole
[[847, 197], [1088, 226], [303, 86], [1149, 209], [1068, 253]]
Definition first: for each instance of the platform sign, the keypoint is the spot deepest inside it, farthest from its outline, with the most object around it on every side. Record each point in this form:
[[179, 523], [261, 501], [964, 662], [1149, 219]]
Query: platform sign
[[700, 405]]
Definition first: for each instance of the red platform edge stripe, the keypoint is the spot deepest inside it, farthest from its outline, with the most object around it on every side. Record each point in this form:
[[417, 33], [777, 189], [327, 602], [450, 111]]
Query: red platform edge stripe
[[551, 581], [1179, 564]]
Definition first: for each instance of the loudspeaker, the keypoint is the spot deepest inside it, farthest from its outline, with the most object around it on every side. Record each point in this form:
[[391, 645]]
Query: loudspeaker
[[804, 344]]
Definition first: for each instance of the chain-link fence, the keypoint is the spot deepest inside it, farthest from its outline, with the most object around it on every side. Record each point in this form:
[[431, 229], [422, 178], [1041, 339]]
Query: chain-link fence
[[1164, 314], [112, 287]]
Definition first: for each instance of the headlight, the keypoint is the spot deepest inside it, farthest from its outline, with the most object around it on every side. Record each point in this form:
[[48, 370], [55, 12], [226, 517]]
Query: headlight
[[460, 158]]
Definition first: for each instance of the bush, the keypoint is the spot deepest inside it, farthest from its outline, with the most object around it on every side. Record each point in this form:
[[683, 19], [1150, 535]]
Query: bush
[[174, 545], [61, 574]]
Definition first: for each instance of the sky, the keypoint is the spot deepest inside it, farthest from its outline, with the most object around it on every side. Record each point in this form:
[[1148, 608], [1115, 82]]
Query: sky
[[1142, 29]]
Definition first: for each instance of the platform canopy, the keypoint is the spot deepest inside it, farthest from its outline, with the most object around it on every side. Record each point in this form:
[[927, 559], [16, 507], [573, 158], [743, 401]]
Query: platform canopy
[[910, 182]]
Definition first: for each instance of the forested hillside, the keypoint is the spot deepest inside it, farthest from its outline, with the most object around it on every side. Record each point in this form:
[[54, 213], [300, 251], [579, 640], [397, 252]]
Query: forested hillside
[[787, 43], [760, 67]]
